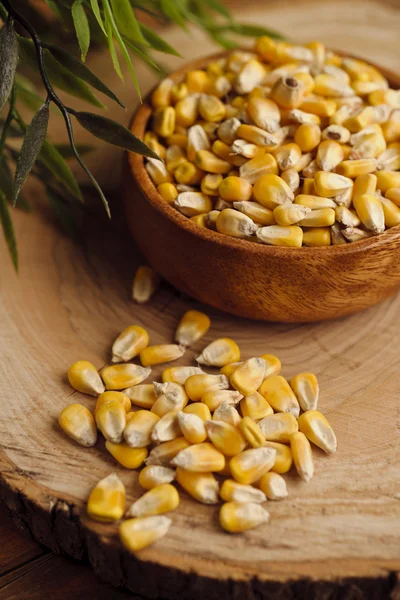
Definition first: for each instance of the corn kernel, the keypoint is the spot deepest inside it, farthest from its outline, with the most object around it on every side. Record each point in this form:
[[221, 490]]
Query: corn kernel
[[354, 234], [308, 187], [279, 427], [347, 217], [164, 453], [130, 458], [210, 183], [236, 517], [232, 491], [331, 184], [197, 81], [197, 385], [161, 97], [78, 423], [129, 343], [364, 184], [211, 108], [318, 106], [166, 428], [387, 180], [283, 460], [274, 486], [265, 113], [186, 111], [255, 407], [306, 388], [393, 194], [227, 413], [203, 487], [170, 401], [137, 432], [154, 475], [292, 178], [252, 432], [289, 214], [248, 377], [199, 409], [314, 202], [390, 158], [168, 192], [277, 392], [180, 374], [225, 437], [152, 142], [106, 397], [84, 378], [370, 210], [321, 217], [219, 353], [235, 188], [158, 500], [256, 135], [200, 458], [106, 501], [145, 284], [256, 212], [111, 420], [142, 395], [354, 168], [337, 237], [317, 429], [249, 466], [164, 121], [288, 92], [192, 427], [271, 190], [302, 455], [317, 237], [136, 534], [192, 327], [214, 397], [227, 130], [178, 92], [118, 377], [177, 139], [276, 235], [301, 117], [155, 355], [207, 161], [287, 156]]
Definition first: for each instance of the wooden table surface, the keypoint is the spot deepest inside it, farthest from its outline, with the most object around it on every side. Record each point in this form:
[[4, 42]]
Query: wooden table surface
[[28, 570]]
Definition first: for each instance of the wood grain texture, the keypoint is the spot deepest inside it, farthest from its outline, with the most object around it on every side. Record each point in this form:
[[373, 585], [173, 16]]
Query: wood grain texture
[[337, 537], [252, 280]]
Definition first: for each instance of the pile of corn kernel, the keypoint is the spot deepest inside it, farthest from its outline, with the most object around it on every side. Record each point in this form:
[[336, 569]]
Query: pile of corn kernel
[[225, 436], [287, 145]]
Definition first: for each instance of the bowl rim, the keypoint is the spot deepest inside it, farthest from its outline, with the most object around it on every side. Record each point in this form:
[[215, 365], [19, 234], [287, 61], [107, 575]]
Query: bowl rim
[[137, 169]]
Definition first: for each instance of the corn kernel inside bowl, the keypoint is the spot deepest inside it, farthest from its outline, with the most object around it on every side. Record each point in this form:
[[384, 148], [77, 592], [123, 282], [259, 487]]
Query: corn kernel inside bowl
[[284, 145]]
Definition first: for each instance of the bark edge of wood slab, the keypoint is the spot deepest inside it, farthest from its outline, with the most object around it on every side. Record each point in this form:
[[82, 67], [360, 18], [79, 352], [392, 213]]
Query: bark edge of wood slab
[[57, 522], [247, 279]]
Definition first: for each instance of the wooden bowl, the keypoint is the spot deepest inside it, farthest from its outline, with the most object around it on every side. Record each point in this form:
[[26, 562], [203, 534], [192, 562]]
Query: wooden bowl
[[248, 279]]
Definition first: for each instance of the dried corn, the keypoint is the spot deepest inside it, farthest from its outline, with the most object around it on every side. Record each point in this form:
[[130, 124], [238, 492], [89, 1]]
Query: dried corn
[[145, 284], [106, 501], [136, 534], [78, 423], [155, 475], [318, 430], [84, 378]]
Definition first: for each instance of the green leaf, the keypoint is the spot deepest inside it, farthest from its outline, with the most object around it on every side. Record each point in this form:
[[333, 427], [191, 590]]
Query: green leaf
[[251, 30], [171, 11], [111, 48], [158, 43], [7, 186], [62, 213], [59, 75], [81, 25], [80, 70], [8, 61], [113, 133], [27, 97], [96, 11], [66, 151], [126, 21], [53, 160], [218, 7], [145, 57], [8, 230], [31, 146], [110, 19]]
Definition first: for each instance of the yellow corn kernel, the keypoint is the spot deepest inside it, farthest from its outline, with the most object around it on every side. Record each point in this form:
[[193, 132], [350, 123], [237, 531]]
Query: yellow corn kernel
[[224, 152], [166, 428], [301, 117], [129, 415], [255, 407], [337, 133], [219, 86], [84, 378], [308, 188], [164, 121], [271, 190], [227, 413], [317, 429], [273, 486], [251, 432], [142, 395], [322, 217], [393, 194], [256, 212], [265, 113], [249, 466], [273, 365], [389, 160], [347, 217], [165, 452], [197, 81], [136, 534], [331, 184], [186, 111], [266, 48], [235, 188], [193, 204], [318, 106], [211, 108], [391, 212], [365, 88], [199, 409], [192, 427], [303, 165], [232, 491], [317, 237], [256, 135], [168, 191], [354, 168], [158, 172], [251, 75], [152, 142], [192, 327], [178, 92], [118, 377], [384, 96], [78, 423], [311, 169], [158, 500], [214, 69], [287, 156], [364, 184], [288, 92], [145, 284], [289, 214], [197, 385], [302, 455], [130, 458], [207, 161], [154, 475], [188, 174], [177, 139], [200, 458], [230, 368], [180, 374], [366, 116], [292, 178], [345, 198], [306, 80], [155, 355], [214, 398], [161, 97], [225, 437], [219, 353], [262, 164], [174, 156], [306, 388], [308, 136], [275, 235], [368, 146], [337, 236], [106, 501], [391, 130], [329, 155], [279, 427], [248, 377], [210, 184], [387, 180], [203, 487], [129, 343], [314, 202], [173, 399], [329, 85], [277, 392], [138, 430], [111, 420], [227, 131], [283, 460], [236, 517], [354, 234], [106, 397], [370, 210]]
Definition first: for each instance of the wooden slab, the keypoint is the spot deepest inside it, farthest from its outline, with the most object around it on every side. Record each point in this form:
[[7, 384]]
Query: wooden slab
[[337, 537]]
